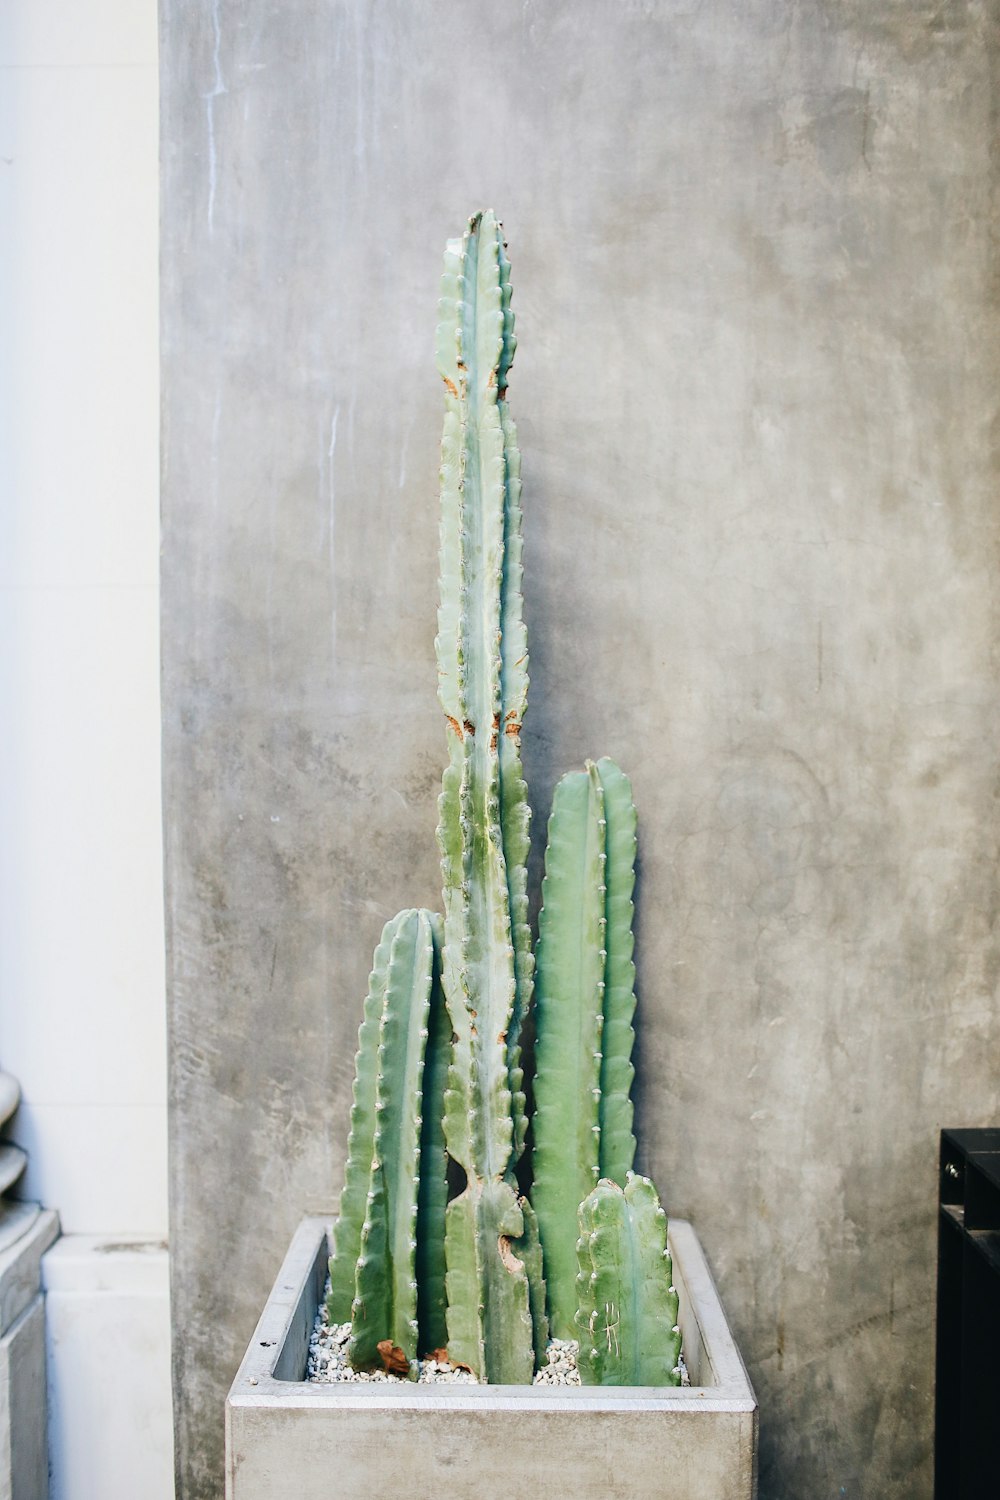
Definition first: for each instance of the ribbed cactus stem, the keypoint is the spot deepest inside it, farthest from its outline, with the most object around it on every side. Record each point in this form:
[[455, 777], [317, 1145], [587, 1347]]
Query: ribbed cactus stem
[[483, 831], [377, 1257], [627, 1313], [585, 1003], [570, 1019], [360, 1145], [385, 1300]]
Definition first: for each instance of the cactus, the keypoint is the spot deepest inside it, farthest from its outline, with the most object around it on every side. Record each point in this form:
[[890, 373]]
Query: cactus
[[483, 831], [439, 1071], [373, 1267], [585, 1003], [627, 1313]]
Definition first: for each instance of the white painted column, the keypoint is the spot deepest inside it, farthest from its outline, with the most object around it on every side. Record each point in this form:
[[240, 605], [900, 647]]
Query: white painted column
[[110, 1433], [81, 942]]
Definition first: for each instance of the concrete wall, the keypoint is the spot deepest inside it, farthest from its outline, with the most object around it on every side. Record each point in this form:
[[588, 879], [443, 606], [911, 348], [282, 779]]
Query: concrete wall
[[82, 1021], [756, 299]]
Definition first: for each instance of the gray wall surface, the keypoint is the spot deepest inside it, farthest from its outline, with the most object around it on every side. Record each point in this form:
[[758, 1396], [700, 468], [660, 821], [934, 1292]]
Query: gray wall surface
[[753, 252]]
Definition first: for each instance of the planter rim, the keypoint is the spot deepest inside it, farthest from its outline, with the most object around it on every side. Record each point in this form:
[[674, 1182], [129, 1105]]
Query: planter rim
[[265, 1377]]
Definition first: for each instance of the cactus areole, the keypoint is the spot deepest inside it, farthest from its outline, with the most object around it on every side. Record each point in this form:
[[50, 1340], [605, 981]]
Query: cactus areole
[[435, 1239]]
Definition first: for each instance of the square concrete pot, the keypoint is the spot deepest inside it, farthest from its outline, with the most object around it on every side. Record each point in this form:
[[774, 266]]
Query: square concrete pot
[[287, 1436]]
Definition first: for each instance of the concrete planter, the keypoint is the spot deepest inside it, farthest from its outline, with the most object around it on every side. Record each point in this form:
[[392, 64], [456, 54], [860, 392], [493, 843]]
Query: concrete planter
[[285, 1436]]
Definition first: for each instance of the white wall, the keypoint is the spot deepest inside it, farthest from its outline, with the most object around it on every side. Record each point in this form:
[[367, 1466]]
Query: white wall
[[81, 942]]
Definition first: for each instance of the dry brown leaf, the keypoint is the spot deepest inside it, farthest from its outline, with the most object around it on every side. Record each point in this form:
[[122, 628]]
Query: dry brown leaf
[[392, 1356]]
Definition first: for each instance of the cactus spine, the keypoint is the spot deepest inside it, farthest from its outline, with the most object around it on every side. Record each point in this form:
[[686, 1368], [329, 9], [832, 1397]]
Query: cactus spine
[[627, 1316], [373, 1269], [483, 830], [585, 1005]]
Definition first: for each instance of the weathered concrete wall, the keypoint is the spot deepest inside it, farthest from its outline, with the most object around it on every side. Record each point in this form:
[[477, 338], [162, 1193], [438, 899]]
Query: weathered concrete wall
[[755, 287]]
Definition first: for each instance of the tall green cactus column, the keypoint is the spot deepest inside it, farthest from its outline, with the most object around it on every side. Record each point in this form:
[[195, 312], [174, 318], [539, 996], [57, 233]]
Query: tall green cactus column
[[483, 831]]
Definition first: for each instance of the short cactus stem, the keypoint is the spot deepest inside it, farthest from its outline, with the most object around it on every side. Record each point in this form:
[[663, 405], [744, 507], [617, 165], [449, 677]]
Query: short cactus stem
[[626, 1317], [373, 1268]]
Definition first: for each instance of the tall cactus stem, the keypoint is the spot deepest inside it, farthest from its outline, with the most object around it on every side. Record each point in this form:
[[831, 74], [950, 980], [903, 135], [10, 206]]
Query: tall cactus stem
[[483, 829]]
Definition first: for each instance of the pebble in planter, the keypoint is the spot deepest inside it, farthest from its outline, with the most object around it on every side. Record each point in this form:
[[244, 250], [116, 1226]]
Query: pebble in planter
[[411, 1264]]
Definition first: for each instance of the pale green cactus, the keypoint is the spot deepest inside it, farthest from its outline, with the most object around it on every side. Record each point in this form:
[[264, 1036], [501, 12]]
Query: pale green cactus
[[627, 1306], [374, 1264], [441, 1078], [585, 1002], [483, 831]]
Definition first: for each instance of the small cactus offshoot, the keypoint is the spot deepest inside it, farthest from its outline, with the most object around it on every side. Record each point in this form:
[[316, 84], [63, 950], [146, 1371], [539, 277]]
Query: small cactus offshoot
[[627, 1307]]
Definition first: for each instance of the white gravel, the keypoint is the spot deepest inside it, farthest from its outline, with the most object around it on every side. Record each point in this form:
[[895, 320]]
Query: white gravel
[[328, 1361], [561, 1369]]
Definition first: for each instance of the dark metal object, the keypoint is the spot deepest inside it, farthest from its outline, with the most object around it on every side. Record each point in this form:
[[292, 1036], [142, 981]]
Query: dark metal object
[[967, 1429]]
